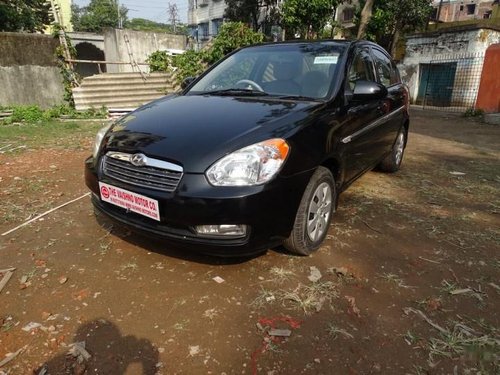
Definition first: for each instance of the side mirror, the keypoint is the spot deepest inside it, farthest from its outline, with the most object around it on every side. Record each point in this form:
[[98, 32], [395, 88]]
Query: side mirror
[[187, 81], [368, 90]]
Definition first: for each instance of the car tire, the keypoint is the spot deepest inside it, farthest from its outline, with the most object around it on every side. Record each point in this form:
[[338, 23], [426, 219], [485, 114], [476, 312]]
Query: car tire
[[314, 214], [392, 162]]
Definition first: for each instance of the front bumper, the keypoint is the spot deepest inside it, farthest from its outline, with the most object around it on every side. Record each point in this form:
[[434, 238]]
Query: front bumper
[[268, 210]]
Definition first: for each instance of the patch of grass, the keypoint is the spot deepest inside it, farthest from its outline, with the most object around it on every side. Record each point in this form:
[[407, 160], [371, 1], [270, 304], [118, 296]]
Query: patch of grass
[[129, 266], [462, 340], [263, 298], [395, 279], [279, 275], [104, 247], [182, 325], [310, 298], [334, 332], [47, 133], [411, 338], [447, 287]]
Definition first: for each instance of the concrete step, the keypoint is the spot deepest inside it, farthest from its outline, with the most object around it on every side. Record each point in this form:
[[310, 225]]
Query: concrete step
[[122, 90], [128, 76], [115, 105], [103, 98], [131, 81]]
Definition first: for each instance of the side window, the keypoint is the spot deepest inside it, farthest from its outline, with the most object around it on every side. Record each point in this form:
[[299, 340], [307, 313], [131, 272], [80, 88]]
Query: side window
[[386, 70], [361, 68]]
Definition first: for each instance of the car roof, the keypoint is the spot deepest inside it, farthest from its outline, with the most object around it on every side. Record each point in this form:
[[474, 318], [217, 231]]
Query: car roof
[[348, 42]]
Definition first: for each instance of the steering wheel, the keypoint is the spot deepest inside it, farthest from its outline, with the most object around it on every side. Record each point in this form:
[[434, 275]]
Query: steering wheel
[[251, 83]]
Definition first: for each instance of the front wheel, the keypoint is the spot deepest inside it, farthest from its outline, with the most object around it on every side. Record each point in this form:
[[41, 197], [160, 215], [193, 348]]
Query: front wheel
[[392, 162], [314, 214]]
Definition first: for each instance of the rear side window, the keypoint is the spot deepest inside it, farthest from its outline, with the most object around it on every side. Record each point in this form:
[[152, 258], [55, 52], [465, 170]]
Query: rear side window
[[386, 70]]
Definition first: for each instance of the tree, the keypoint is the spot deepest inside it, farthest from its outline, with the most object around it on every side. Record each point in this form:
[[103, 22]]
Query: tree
[[232, 35], [391, 18], [308, 18], [366, 15], [252, 12], [246, 11], [24, 15], [98, 15]]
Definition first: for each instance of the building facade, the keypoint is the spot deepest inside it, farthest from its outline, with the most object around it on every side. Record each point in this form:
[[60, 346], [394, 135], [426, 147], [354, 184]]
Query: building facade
[[205, 18], [462, 10]]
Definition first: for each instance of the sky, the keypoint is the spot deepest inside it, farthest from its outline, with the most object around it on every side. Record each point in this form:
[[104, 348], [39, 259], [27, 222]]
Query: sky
[[155, 10]]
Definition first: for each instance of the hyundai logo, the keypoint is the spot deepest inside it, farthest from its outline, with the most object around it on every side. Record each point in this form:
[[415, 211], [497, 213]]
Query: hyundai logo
[[139, 160]]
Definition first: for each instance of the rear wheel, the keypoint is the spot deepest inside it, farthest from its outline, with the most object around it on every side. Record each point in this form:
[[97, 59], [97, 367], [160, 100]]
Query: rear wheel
[[392, 162], [314, 214]]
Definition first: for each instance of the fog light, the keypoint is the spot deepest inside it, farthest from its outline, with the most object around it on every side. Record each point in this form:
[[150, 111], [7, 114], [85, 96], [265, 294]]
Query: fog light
[[226, 230]]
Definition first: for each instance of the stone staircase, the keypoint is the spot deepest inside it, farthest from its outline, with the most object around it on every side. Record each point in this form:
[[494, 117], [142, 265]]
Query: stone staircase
[[122, 90]]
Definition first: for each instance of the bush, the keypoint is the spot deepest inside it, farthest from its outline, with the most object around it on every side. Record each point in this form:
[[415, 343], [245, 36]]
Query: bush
[[27, 113], [232, 35], [158, 61], [189, 64]]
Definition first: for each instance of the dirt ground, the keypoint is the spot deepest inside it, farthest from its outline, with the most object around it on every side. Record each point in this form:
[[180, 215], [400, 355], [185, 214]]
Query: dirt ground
[[409, 276]]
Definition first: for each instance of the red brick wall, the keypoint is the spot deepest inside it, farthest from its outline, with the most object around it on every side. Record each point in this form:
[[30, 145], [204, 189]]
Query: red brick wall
[[488, 97]]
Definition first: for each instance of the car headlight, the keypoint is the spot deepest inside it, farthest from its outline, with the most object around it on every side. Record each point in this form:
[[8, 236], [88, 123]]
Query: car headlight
[[98, 139], [252, 165]]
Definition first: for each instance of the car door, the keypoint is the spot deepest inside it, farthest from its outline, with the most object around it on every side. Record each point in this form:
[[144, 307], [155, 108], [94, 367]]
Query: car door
[[393, 106], [358, 134]]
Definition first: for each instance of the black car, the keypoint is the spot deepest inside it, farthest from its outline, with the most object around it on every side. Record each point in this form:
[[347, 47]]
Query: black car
[[254, 152]]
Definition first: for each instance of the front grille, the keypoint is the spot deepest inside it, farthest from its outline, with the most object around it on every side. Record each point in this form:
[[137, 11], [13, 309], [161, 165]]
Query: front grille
[[117, 166]]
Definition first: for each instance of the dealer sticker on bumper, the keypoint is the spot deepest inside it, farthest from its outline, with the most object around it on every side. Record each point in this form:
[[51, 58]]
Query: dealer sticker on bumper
[[131, 201]]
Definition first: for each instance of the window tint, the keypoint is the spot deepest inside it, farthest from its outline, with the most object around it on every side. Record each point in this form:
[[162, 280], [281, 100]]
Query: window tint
[[386, 70], [240, 69], [361, 68]]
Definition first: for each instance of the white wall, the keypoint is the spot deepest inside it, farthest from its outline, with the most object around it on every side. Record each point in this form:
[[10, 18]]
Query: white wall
[[424, 48]]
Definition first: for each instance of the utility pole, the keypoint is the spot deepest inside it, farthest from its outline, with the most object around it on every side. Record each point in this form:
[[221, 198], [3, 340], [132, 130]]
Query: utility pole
[[120, 19], [173, 11]]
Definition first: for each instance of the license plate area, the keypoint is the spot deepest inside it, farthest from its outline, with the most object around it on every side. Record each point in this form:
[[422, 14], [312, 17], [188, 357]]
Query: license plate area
[[129, 200]]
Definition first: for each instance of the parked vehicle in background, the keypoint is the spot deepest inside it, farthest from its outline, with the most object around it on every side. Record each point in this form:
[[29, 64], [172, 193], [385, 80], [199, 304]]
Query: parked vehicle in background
[[255, 152]]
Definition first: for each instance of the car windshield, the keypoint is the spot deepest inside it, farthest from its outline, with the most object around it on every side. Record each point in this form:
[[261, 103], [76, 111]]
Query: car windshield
[[297, 70]]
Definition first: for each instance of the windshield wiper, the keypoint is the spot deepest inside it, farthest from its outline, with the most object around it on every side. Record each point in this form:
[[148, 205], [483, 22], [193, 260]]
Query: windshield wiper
[[297, 97], [236, 91]]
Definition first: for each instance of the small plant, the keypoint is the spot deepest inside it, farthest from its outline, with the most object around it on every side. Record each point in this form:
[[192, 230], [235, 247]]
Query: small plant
[[393, 278], [334, 331], [29, 113], [280, 274], [474, 112]]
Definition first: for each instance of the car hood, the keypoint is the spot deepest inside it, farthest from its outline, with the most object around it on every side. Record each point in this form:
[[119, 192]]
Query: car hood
[[195, 131]]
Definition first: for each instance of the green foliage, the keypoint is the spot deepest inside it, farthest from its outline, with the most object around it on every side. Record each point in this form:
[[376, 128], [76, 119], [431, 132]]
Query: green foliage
[[141, 24], [473, 112], [393, 17], [98, 15], [34, 114], [232, 35], [189, 64], [70, 77], [159, 61], [24, 15], [307, 18], [29, 113]]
